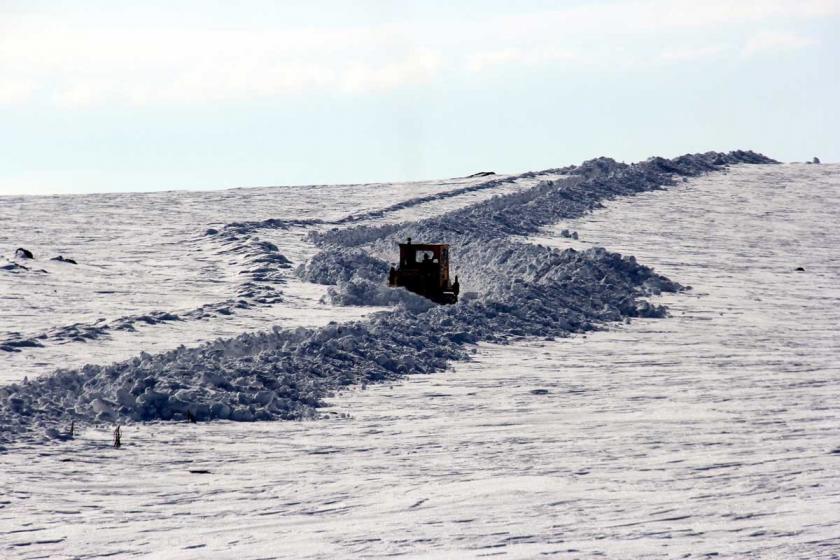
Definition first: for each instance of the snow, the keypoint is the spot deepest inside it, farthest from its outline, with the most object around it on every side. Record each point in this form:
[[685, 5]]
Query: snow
[[141, 255], [286, 373], [711, 431]]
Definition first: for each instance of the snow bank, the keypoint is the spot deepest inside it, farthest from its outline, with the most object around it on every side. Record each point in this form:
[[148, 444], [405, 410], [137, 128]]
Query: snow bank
[[523, 291], [526, 212], [332, 267], [483, 256], [284, 374], [358, 291]]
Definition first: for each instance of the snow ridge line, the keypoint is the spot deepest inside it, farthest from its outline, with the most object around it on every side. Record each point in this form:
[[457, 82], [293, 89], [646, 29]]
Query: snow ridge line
[[285, 374]]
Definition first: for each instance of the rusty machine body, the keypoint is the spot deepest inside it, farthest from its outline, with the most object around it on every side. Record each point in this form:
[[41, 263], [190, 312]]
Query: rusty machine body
[[424, 270]]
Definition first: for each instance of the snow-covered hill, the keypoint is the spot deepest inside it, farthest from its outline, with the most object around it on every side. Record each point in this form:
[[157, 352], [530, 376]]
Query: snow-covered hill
[[711, 431], [518, 289]]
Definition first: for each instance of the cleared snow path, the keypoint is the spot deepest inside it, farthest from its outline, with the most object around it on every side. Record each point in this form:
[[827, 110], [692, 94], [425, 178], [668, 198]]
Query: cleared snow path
[[712, 433], [146, 270]]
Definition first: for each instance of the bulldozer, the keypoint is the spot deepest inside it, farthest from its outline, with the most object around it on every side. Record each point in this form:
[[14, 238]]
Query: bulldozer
[[424, 270]]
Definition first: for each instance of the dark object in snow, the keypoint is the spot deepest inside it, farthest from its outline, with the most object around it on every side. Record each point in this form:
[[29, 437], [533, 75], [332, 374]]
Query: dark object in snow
[[199, 471], [22, 253], [800, 269], [424, 270], [539, 391], [13, 267], [816, 160], [191, 417], [117, 439], [481, 174], [59, 258]]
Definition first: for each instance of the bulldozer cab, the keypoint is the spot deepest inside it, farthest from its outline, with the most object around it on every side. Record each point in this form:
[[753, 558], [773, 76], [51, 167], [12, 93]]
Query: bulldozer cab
[[424, 270]]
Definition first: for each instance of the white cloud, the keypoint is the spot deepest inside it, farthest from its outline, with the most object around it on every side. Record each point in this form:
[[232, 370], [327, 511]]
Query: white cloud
[[775, 41], [528, 57], [15, 91], [103, 62], [688, 54], [415, 68], [79, 67]]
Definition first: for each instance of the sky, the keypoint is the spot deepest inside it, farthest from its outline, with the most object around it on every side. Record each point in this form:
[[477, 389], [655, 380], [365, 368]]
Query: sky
[[111, 95]]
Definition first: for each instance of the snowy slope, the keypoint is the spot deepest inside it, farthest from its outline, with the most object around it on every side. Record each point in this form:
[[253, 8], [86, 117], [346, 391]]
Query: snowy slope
[[146, 256], [710, 432], [520, 290]]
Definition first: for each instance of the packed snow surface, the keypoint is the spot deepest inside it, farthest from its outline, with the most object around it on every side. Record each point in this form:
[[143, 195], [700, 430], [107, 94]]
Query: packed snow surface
[[712, 432]]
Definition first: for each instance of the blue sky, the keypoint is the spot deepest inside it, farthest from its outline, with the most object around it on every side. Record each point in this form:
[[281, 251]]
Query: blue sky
[[138, 96]]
